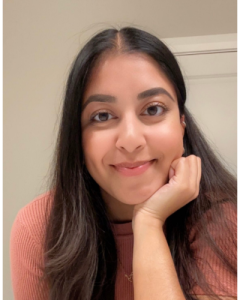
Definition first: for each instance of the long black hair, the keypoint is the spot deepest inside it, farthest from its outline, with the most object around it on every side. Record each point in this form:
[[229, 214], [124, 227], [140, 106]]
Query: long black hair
[[80, 249]]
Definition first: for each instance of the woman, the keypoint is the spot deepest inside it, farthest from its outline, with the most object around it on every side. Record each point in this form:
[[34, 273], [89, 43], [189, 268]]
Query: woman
[[140, 207]]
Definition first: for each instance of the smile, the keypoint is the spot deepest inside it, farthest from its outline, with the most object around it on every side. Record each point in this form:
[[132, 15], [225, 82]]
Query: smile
[[134, 171]]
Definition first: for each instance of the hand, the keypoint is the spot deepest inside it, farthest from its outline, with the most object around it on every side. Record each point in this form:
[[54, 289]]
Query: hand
[[183, 187]]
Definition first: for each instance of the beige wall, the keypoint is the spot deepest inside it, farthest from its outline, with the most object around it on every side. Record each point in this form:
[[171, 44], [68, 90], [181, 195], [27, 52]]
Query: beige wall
[[40, 42]]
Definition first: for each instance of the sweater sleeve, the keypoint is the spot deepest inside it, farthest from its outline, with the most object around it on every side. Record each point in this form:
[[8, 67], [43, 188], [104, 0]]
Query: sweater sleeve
[[26, 257], [220, 279]]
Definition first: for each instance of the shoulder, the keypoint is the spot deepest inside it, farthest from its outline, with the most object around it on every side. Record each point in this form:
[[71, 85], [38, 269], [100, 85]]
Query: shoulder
[[33, 217], [26, 249], [217, 263], [219, 222]]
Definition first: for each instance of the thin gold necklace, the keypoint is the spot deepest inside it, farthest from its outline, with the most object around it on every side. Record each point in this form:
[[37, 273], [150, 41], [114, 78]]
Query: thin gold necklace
[[129, 277]]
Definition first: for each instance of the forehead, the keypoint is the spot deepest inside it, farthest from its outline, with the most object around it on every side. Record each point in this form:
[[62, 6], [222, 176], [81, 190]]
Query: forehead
[[126, 73]]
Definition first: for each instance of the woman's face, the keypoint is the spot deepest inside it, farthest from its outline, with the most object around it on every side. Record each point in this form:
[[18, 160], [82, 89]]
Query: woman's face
[[132, 115]]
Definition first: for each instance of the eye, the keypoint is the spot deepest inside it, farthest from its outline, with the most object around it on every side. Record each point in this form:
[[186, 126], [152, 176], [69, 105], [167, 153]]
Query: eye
[[100, 117], [155, 109]]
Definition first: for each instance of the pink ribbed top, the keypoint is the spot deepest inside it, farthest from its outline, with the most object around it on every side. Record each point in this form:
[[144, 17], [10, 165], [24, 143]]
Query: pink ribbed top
[[26, 254]]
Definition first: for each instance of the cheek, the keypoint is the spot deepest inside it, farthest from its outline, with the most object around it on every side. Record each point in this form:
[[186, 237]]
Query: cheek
[[95, 147], [168, 141]]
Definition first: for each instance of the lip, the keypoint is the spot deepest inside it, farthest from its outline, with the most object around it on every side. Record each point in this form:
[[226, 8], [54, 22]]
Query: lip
[[131, 165], [138, 170]]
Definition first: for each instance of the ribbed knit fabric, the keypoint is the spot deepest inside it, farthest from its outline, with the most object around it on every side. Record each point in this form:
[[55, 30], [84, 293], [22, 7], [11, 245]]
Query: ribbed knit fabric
[[26, 255], [124, 239]]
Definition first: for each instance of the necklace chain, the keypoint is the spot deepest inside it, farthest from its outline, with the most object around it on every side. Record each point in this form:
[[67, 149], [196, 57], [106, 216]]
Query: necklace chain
[[129, 277]]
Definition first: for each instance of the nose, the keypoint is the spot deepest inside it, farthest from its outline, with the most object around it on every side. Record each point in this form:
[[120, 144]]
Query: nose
[[130, 135]]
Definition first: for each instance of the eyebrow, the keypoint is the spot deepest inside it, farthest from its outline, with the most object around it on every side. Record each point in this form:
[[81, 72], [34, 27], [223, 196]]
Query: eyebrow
[[111, 99]]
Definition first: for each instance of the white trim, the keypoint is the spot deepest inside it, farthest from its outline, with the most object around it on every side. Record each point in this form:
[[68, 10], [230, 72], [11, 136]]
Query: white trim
[[226, 75], [193, 55], [230, 50], [202, 43]]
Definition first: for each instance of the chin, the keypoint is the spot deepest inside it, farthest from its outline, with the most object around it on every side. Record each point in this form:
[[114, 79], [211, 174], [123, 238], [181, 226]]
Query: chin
[[137, 197]]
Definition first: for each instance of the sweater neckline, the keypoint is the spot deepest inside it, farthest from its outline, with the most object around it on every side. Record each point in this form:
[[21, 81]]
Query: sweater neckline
[[122, 229], [125, 229]]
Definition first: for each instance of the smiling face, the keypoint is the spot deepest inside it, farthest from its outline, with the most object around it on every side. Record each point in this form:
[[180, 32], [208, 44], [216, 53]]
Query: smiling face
[[130, 113]]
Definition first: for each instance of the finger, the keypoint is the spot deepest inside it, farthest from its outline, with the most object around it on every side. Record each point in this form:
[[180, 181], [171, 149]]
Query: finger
[[181, 169], [199, 170], [198, 176], [193, 174], [176, 161], [171, 173]]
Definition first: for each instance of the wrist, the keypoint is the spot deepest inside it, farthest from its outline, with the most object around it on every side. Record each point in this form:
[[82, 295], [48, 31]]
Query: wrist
[[141, 219]]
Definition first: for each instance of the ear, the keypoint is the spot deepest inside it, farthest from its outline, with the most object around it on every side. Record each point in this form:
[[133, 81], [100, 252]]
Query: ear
[[182, 119]]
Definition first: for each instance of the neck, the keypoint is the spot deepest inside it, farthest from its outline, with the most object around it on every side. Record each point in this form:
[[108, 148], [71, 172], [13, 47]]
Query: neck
[[119, 212]]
